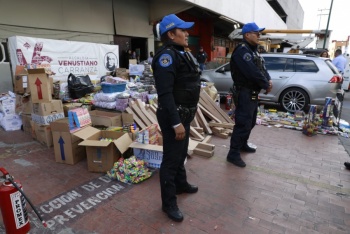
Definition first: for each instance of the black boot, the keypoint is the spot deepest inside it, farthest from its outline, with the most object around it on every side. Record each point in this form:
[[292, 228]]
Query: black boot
[[187, 189], [173, 213], [248, 149], [236, 161]]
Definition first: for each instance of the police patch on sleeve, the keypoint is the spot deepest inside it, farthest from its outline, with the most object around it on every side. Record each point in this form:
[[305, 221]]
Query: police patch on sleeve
[[165, 60], [247, 57]]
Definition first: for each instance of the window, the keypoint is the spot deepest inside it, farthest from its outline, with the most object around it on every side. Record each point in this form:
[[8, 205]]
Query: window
[[303, 65], [275, 64], [227, 67]]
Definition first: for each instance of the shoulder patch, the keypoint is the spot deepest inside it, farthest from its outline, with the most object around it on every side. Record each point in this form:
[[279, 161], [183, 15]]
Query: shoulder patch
[[165, 60], [247, 57]]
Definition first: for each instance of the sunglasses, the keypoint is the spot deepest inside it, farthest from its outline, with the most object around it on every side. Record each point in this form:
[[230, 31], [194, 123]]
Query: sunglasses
[[258, 34]]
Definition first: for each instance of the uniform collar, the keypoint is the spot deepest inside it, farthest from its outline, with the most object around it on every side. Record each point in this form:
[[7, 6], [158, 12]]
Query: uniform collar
[[176, 46], [253, 48]]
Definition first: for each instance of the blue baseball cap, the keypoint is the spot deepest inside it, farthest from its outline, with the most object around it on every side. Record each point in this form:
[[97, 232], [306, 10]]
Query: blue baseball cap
[[172, 21], [251, 27]]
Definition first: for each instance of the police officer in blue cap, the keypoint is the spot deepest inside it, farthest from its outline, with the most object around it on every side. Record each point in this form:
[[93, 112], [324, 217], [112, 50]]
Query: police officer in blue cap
[[177, 80], [249, 77]]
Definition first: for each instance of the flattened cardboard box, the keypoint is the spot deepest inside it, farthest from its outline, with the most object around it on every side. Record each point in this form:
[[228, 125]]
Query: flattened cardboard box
[[66, 144], [101, 155], [39, 85]]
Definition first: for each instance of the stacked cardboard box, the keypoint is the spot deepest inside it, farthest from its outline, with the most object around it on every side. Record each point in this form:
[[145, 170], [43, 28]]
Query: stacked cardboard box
[[44, 109], [9, 120]]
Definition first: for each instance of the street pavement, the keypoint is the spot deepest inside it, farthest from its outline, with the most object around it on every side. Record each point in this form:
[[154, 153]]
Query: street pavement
[[292, 184]]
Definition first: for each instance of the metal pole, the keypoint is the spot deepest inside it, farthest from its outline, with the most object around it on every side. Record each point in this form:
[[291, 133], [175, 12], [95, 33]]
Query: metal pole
[[329, 17]]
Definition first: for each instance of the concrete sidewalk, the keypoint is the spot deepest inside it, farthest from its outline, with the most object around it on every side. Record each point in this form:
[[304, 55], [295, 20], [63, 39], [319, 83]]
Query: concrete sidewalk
[[292, 184]]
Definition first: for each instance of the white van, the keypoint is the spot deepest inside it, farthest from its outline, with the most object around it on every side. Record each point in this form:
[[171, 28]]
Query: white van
[[5, 72], [346, 75]]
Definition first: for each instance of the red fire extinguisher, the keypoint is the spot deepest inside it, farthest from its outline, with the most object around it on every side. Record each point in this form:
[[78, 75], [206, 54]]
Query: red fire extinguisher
[[13, 205], [228, 101]]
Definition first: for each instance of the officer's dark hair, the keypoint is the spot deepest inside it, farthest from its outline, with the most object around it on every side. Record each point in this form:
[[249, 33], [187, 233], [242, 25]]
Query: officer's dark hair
[[164, 38]]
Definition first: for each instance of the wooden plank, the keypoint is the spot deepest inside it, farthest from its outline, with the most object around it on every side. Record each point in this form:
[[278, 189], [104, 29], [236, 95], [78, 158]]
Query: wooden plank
[[210, 101], [195, 134], [219, 112], [221, 135], [136, 118], [203, 152], [196, 139], [211, 109], [207, 139], [205, 146], [218, 130], [194, 122], [153, 108], [137, 110], [145, 112], [198, 129], [222, 125], [208, 114], [206, 127]]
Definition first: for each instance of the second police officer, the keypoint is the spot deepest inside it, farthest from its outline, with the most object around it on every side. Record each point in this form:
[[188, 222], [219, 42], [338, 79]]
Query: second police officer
[[249, 78], [177, 79]]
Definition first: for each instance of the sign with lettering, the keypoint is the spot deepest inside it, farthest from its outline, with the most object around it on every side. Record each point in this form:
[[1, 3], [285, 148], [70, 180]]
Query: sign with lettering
[[65, 208], [63, 57], [152, 157]]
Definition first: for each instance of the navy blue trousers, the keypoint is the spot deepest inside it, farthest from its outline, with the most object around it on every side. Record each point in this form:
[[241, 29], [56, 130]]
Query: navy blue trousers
[[172, 171], [245, 119]]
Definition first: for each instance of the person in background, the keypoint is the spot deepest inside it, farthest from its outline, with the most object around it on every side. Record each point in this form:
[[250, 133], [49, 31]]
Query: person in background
[[324, 54], [261, 49], [150, 58], [202, 58], [177, 80], [339, 61], [249, 77]]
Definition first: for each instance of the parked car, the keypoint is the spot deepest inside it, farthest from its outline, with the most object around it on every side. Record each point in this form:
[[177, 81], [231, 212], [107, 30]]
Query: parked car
[[298, 80]]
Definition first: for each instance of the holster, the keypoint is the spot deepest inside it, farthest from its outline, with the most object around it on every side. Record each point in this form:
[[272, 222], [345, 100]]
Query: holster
[[255, 95], [186, 113]]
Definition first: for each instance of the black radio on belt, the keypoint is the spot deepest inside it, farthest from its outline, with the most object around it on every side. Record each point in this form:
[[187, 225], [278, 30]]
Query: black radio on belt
[[255, 95]]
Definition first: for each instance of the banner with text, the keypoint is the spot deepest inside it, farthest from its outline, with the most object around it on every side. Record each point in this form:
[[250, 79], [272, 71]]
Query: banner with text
[[63, 57]]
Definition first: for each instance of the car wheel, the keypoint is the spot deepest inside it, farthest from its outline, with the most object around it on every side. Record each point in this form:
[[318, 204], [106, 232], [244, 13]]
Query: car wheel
[[294, 99]]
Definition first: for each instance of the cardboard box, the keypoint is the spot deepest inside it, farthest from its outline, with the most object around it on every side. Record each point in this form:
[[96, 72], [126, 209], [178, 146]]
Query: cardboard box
[[152, 154], [47, 119], [101, 155], [43, 134], [23, 104], [27, 127], [20, 80], [107, 119], [11, 122], [47, 108], [70, 106], [66, 144], [8, 104], [39, 85]]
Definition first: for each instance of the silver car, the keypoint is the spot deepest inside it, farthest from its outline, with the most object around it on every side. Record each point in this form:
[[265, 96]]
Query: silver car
[[298, 80]]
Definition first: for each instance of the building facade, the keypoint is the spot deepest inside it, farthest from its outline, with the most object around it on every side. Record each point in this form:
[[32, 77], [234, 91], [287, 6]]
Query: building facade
[[128, 23]]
